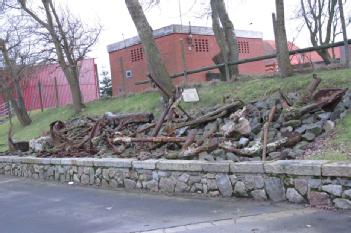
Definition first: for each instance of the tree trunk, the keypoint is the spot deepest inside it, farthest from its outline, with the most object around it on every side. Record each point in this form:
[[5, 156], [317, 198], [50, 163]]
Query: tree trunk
[[285, 68], [19, 108], [344, 33], [156, 66], [324, 54], [73, 80], [225, 36]]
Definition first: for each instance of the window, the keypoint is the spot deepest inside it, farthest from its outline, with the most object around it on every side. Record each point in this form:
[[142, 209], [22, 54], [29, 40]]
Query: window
[[201, 45], [136, 54], [243, 47], [129, 74]]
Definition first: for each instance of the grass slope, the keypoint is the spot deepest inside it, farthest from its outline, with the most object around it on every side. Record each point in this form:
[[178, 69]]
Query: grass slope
[[246, 89], [339, 148]]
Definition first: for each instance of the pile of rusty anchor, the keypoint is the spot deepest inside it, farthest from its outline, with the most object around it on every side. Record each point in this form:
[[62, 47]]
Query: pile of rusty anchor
[[265, 129]]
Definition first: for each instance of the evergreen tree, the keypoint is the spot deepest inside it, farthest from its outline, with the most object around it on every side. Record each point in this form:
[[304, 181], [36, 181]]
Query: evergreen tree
[[105, 84]]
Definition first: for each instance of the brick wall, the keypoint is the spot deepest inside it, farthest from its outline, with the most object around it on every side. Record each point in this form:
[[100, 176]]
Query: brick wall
[[199, 52]]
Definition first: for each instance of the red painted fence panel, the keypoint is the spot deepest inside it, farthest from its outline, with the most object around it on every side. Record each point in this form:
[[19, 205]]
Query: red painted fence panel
[[46, 75]]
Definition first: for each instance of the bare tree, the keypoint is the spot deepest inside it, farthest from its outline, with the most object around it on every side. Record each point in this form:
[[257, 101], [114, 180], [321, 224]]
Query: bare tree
[[285, 68], [223, 29], [19, 57], [68, 37], [344, 33], [319, 16], [156, 66]]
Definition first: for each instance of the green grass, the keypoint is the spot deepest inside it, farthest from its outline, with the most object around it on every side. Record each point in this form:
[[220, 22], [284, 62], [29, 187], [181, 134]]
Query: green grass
[[246, 89], [339, 148]]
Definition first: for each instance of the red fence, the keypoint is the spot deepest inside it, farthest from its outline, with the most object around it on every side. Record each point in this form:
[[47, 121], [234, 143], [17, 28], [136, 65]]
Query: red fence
[[47, 86]]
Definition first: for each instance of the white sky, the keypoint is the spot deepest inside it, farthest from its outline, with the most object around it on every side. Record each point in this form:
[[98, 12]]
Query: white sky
[[245, 14]]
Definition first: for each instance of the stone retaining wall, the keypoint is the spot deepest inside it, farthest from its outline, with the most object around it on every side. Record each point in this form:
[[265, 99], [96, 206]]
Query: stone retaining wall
[[319, 183]]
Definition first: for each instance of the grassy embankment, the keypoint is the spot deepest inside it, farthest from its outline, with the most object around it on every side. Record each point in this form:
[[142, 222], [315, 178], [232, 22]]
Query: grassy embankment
[[246, 89]]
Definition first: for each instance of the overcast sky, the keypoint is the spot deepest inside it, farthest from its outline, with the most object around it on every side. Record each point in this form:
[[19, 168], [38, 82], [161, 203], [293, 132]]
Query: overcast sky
[[245, 14]]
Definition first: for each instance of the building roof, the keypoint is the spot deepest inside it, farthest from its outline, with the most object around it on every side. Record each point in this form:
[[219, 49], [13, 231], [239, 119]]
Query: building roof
[[176, 28]]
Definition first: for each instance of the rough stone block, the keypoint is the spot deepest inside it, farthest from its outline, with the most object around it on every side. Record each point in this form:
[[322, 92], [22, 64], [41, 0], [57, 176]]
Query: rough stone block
[[295, 167], [211, 184], [179, 165], [85, 179], [152, 185], [314, 183], [275, 189], [333, 189], [129, 184], [301, 186], [341, 169], [145, 164], [293, 196], [224, 185], [253, 182], [342, 203], [240, 189], [247, 167], [319, 199], [167, 184], [181, 187], [347, 194], [216, 167], [111, 162], [184, 177], [259, 195]]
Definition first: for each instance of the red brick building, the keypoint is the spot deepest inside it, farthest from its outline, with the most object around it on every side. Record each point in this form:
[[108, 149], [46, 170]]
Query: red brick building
[[127, 57]]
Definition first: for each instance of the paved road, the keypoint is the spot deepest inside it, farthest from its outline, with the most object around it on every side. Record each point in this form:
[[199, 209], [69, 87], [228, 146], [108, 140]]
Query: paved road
[[35, 207]]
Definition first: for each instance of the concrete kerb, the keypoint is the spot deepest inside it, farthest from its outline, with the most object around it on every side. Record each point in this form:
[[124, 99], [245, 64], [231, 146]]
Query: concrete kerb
[[145, 164], [6, 159], [111, 162], [342, 169], [295, 167], [247, 167], [180, 165], [320, 168]]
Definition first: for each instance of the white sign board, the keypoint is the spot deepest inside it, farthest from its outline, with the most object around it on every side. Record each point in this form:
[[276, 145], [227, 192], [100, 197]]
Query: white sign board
[[190, 95]]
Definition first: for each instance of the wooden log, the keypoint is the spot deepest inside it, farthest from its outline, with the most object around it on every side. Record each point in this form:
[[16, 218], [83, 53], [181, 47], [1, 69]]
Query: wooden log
[[265, 131], [200, 121], [307, 94], [220, 112], [286, 102], [190, 139], [122, 120], [160, 139], [255, 150], [208, 146], [143, 129], [162, 117]]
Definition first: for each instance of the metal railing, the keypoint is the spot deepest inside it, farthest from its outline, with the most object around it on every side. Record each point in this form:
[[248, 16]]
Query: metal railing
[[253, 59]]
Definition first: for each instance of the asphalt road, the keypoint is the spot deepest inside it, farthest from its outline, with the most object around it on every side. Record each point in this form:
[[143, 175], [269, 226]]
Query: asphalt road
[[28, 206]]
